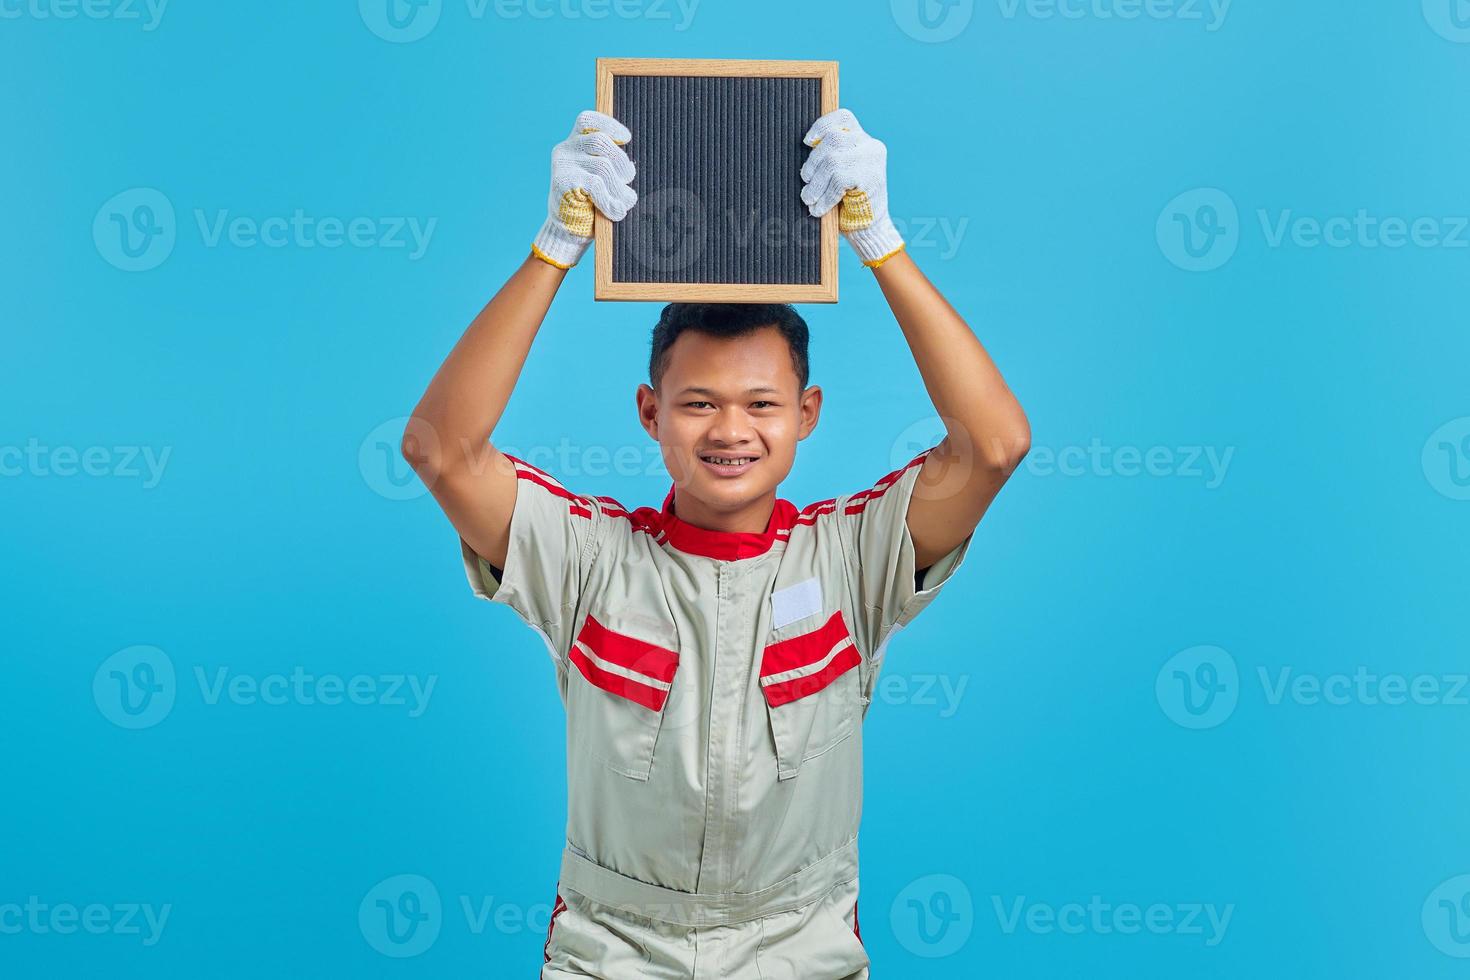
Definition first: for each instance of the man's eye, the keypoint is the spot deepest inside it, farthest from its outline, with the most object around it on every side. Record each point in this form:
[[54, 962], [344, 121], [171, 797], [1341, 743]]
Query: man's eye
[[694, 404], [765, 403]]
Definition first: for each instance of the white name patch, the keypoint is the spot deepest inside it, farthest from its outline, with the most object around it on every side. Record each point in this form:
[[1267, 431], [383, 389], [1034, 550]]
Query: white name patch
[[795, 602]]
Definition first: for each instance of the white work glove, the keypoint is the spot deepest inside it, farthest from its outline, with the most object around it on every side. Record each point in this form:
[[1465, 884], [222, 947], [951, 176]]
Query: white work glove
[[588, 168], [851, 167]]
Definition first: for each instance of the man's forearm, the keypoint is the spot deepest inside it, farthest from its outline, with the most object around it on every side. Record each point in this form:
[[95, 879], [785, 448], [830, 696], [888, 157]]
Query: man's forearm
[[468, 394], [963, 382]]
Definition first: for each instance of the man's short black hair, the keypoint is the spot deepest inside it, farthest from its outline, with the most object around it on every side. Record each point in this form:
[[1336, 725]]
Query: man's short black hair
[[728, 320]]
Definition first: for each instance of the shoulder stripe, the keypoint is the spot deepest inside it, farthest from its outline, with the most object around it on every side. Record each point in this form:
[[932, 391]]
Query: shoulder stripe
[[858, 501], [578, 505]]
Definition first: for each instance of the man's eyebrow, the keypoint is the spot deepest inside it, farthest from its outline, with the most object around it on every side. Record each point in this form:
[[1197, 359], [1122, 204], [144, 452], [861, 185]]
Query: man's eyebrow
[[714, 394]]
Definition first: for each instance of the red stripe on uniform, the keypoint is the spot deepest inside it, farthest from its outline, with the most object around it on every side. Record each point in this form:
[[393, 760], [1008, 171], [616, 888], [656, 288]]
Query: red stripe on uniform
[[810, 508], [540, 481], [650, 697], [532, 467], [556, 910], [808, 648], [628, 651], [859, 500], [614, 508], [580, 506], [800, 687], [812, 512]]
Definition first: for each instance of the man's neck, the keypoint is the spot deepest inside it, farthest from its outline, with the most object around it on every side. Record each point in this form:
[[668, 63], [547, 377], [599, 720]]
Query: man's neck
[[753, 518]]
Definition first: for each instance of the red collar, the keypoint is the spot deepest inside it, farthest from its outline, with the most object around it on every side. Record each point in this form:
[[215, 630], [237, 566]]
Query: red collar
[[725, 545]]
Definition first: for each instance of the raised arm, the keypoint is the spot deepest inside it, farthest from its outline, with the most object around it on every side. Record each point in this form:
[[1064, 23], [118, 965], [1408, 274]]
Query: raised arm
[[447, 438], [987, 434]]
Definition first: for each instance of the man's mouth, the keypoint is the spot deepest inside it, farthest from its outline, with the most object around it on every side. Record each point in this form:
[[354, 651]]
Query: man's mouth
[[728, 465]]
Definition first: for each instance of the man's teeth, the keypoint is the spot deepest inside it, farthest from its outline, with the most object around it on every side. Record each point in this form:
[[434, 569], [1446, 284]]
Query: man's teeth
[[727, 461]]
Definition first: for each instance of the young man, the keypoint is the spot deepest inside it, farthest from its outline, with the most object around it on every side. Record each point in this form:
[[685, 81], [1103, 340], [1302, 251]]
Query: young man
[[717, 655]]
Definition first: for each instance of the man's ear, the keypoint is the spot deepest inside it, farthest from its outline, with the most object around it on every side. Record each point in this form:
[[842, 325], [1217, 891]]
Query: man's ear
[[811, 410], [647, 404]]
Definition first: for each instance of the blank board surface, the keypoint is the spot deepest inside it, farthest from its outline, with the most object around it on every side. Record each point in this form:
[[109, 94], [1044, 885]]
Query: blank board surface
[[718, 147]]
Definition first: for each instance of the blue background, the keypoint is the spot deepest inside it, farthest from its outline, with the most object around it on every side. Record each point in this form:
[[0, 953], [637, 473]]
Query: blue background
[[1054, 146]]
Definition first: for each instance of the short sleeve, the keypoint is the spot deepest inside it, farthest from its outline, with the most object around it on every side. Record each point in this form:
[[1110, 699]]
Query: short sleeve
[[879, 553], [554, 537]]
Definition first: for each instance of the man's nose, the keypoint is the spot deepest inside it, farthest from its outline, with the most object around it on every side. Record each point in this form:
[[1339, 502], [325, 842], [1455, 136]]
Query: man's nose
[[731, 428]]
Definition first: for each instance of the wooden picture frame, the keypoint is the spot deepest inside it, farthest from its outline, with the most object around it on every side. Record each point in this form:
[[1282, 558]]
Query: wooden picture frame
[[608, 288]]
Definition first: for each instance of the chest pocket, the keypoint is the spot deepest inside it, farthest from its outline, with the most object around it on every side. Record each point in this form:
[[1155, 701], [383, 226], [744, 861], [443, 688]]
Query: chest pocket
[[810, 686], [625, 667]]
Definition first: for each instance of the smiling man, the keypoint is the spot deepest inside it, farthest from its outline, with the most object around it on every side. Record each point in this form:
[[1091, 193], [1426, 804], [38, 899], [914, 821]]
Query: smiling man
[[716, 655]]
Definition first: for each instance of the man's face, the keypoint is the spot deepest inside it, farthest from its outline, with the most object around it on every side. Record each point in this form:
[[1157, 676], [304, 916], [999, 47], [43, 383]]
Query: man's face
[[729, 398]]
